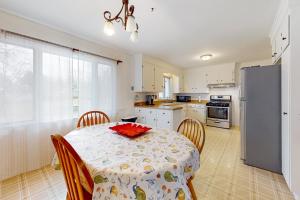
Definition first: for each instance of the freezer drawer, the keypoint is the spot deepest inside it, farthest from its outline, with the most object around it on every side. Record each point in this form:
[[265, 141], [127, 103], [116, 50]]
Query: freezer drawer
[[218, 123]]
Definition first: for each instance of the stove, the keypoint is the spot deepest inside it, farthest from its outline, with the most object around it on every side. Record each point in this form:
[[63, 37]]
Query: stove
[[219, 111]]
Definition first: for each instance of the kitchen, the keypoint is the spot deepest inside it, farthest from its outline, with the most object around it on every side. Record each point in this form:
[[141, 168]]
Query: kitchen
[[198, 84]]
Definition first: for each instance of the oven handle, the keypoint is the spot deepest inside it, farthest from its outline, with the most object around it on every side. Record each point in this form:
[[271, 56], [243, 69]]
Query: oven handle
[[217, 122], [217, 107]]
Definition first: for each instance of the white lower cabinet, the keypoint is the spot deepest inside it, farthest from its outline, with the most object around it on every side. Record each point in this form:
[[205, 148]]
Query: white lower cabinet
[[165, 119], [150, 116], [196, 111], [159, 118]]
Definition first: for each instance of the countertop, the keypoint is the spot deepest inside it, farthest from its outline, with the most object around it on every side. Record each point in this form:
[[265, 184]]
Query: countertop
[[164, 105]]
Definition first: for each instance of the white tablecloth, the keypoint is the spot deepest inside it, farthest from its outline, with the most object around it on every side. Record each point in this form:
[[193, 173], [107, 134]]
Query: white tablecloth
[[153, 166]]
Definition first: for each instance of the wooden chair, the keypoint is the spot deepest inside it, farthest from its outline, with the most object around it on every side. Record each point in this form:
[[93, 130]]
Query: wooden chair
[[194, 131], [74, 170], [92, 118]]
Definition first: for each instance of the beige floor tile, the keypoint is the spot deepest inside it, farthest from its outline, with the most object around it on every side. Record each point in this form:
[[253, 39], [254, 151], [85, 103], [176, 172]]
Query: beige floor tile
[[222, 176]]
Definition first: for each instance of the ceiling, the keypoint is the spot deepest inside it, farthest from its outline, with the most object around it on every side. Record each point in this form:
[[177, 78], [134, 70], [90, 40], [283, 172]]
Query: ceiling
[[177, 31]]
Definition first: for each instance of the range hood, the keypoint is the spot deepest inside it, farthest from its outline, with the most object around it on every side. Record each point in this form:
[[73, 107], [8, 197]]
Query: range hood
[[223, 85]]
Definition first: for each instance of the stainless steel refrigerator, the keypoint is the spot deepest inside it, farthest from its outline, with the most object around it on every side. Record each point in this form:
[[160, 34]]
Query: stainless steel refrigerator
[[260, 107]]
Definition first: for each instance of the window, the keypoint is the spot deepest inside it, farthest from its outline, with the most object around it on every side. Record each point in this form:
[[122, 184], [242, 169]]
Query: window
[[16, 83], [43, 88], [48, 83], [166, 94]]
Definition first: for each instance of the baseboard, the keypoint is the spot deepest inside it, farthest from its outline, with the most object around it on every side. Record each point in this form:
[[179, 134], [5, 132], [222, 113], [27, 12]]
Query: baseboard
[[235, 127]]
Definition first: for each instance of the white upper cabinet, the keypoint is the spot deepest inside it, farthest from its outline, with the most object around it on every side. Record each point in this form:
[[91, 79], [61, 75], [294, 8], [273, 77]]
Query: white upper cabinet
[[221, 74], [178, 83], [280, 39], [196, 80], [149, 76], [144, 75], [175, 84], [159, 79], [148, 84]]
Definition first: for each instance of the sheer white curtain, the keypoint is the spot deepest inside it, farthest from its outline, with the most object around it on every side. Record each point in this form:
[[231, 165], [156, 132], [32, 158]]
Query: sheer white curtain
[[43, 89], [106, 97]]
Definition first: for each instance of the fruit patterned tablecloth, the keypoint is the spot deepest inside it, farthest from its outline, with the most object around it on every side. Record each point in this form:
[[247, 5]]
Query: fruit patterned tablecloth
[[153, 166]]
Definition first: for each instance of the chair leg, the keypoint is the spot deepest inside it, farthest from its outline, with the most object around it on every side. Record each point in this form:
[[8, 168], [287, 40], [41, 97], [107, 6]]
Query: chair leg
[[190, 185]]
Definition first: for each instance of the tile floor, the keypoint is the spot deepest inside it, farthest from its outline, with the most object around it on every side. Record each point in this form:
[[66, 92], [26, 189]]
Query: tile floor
[[222, 176]]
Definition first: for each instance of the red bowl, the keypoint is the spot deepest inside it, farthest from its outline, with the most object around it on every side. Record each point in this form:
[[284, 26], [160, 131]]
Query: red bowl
[[130, 129]]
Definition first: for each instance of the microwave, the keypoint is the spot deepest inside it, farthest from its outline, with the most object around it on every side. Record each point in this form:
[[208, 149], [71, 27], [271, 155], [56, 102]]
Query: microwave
[[183, 98]]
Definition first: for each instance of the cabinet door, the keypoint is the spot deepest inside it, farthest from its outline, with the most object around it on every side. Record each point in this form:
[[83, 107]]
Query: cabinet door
[[278, 46], [201, 81], [227, 75], [181, 83], [151, 117], [202, 115], [175, 84], [274, 57], [165, 119], [212, 76], [285, 33], [159, 79], [285, 93], [141, 115], [148, 77], [188, 82]]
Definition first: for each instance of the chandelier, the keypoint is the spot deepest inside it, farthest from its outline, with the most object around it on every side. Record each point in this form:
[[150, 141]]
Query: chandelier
[[128, 22]]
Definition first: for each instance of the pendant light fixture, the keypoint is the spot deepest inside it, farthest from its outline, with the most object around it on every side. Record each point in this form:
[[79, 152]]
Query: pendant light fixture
[[128, 22]]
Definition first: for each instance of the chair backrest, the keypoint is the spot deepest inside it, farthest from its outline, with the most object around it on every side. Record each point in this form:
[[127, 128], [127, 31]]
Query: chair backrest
[[74, 169], [92, 118], [194, 131]]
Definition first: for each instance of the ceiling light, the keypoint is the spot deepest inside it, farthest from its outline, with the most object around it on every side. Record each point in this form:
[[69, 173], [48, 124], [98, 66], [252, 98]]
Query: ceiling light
[[109, 28], [130, 25], [128, 22], [206, 57], [134, 36]]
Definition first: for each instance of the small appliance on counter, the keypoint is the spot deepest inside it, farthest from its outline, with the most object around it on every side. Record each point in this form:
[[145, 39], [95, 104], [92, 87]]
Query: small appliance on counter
[[183, 98], [150, 99], [219, 111]]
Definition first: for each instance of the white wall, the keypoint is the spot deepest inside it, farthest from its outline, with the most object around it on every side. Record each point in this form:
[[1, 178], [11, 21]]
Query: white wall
[[125, 97]]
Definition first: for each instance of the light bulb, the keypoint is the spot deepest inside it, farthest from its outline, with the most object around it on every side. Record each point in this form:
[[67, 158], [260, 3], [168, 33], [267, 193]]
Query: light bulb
[[109, 28], [134, 36], [130, 24]]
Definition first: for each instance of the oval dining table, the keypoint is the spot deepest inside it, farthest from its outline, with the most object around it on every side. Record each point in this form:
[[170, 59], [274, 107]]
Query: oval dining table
[[153, 166]]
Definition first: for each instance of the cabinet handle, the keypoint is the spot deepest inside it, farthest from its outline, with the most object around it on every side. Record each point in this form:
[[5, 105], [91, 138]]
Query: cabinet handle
[[284, 113], [274, 55], [284, 38]]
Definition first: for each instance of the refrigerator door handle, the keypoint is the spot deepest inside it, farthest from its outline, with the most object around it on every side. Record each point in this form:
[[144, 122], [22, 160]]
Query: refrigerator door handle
[[243, 130]]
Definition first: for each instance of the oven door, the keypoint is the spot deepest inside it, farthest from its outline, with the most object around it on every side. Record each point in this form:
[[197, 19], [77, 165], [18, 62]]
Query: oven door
[[219, 113]]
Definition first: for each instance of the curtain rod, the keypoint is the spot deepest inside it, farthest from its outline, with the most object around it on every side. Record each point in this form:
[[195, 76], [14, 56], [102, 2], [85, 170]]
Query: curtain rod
[[52, 43]]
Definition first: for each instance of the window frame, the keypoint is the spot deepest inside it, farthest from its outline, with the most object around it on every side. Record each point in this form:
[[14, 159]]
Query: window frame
[[162, 95]]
